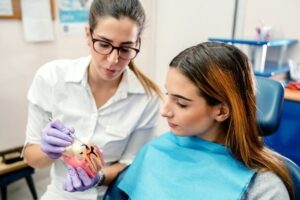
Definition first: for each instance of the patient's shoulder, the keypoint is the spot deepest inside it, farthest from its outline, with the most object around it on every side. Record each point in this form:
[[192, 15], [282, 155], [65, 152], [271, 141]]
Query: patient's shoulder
[[266, 185]]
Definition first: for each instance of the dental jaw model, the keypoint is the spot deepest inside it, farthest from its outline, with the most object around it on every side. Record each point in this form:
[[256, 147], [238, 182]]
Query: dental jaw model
[[84, 155]]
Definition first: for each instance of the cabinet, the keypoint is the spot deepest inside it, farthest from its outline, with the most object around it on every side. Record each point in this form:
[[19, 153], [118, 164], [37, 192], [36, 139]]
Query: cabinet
[[261, 66]]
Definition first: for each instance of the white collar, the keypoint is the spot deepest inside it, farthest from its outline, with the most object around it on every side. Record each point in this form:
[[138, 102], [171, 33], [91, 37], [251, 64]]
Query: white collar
[[128, 84]]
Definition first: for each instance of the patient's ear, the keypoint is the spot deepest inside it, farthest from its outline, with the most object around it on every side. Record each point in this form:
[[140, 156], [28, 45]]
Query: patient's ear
[[222, 112]]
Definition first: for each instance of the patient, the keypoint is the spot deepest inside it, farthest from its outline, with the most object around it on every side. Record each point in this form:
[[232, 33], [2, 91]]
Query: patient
[[213, 149]]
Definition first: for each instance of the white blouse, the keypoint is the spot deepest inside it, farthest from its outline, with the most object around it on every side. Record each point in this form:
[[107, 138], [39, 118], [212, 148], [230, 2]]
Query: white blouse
[[119, 127]]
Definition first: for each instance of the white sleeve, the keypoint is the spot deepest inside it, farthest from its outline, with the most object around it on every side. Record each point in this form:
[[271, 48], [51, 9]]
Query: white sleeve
[[41, 89], [36, 121], [144, 131], [40, 104], [266, 185]]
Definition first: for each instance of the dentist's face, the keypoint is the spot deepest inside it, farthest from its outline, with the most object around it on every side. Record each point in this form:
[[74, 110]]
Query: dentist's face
[[110, 31]]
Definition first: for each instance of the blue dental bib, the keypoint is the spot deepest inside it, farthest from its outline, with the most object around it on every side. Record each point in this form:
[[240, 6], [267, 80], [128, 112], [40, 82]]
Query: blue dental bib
[[172, 167]]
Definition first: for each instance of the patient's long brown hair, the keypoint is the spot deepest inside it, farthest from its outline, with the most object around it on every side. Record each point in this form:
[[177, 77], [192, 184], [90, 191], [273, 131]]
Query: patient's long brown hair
[[223, 75]]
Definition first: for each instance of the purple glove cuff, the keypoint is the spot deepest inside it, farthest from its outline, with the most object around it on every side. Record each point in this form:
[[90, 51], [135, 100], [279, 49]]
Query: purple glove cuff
[[78, 180]]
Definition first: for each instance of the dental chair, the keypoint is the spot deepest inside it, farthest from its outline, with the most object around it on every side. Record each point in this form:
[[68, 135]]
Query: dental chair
[[269, 101]]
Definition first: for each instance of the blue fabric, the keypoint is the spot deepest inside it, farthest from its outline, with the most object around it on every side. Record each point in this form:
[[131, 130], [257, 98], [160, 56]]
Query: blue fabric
[[173, 167]]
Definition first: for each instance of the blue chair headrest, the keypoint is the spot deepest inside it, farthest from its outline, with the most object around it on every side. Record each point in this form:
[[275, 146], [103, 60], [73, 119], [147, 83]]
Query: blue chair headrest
[[269, 100]]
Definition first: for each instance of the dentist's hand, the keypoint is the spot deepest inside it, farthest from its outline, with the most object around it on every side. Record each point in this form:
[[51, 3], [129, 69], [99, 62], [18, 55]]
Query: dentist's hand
[[55, 138], [78, 180]]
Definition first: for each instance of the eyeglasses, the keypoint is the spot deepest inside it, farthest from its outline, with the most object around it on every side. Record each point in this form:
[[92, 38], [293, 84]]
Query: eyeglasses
[[105, 48]]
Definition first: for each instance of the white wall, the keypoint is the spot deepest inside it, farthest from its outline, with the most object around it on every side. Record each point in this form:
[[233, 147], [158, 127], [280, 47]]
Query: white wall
[[181, 24], [282, 15]]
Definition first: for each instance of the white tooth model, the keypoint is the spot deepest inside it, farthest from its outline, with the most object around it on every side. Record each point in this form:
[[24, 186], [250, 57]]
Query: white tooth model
[[76, 148]]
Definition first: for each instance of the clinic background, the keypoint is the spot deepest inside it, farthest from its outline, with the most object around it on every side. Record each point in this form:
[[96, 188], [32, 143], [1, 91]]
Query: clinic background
[[172, 25]]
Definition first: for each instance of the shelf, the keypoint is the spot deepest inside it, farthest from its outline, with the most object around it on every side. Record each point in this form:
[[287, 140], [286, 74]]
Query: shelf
[[272, 69], [271, 43], [259, 58]]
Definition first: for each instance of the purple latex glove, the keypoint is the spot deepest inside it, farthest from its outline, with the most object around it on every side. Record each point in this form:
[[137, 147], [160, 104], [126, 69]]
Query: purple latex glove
[[78, 180], [55, 138]]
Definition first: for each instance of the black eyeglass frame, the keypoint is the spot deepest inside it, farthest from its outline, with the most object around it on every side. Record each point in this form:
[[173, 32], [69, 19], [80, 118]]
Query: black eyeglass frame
[[137, 50]]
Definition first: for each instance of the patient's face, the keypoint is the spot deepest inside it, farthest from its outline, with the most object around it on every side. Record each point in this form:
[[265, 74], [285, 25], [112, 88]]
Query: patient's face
[[187, 113]]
